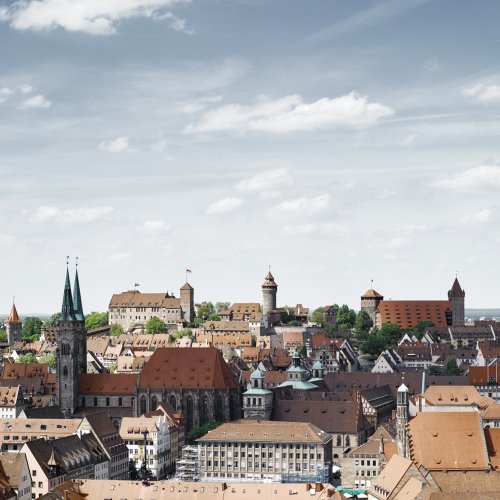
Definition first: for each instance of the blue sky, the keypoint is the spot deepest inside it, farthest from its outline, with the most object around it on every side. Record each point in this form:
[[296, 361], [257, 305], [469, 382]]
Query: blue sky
[[336, 141]]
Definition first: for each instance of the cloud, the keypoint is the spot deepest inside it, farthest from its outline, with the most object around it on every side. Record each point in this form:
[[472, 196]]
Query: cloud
[[303, 206], [224, 206], [156, 227], [83, 214], [199, 104], [309, 229], [118, 145], [36, 102], [292, 114], [95, 17], [5, 93], [483, 93], [479, 217], [266, 181], [25, 88], [478, 178]]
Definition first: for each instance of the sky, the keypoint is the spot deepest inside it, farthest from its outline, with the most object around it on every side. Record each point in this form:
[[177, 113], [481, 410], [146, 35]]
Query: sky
[[337, 142]]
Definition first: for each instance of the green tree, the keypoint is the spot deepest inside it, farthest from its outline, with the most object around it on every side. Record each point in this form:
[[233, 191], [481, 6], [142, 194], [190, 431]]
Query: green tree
[[254, 340], [133, 473], [96, 320], [390, 334], [115, 330], [346, 318], [207, 312], [183, 332], [156, 325], [451, 367], [198, 432], [29, 357], [363, 323], [196, 323], [3, 336], [53, 321], [50, 359], [318, 316], [222, 306], [421, 327], [303, 351], [32, 327]]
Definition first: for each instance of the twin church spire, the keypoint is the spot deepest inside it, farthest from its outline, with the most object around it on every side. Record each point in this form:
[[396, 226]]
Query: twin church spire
[[72, 309]]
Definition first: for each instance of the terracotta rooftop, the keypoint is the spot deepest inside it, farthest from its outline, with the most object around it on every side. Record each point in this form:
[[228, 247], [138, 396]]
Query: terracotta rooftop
[[187, 368], [134, 298], [390, 476], [448, 441], [493, 445], [14, 317], [484, 375], [439, 395], [246, 430], [226, 326], [371, 294], [245, 307], [107, 383], [408, 313]]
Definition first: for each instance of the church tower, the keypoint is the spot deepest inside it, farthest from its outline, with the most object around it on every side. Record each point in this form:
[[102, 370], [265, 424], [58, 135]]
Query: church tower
[[457, 298], [14, 327], [72, 350], [402, 421], [269, 292], [257, 401]]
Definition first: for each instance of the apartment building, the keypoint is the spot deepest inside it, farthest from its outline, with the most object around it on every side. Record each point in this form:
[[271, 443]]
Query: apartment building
[[265, 451]]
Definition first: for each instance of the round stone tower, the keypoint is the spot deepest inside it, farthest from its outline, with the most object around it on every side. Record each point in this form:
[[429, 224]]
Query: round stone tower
[[269, 291], [369, 303]]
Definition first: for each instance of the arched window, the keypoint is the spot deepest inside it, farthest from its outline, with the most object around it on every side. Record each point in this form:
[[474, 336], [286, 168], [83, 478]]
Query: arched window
[[203, 404], [347, 441], [154, 403], [256, 383], [189, 413], [173, 402], [142, 407], [65, 371], [219, 408], [339, 440]]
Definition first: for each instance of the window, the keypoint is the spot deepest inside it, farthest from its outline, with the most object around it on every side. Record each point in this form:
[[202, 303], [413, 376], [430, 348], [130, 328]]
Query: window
[[95, 401]]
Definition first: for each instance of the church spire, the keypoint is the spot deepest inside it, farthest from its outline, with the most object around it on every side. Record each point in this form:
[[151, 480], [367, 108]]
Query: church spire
[[67, 311], [77, 298]]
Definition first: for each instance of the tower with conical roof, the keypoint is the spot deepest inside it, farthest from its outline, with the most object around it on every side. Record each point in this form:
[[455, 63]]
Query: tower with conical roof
[[187, 302], [14, 326], [370, 301], [72, 349], [402, 412], [457, 298], [269, 292]]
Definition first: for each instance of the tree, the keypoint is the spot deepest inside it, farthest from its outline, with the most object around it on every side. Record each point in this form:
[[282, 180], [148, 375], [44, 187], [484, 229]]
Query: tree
[[3, 336], [421, 327], [390, 334], [156, 325], [254, 340], [303, 351], [222, 306], [133, 473], [363, 323], [50, 359], [29, 357], [451, 367], [32, 327], [53, 321], [115, 330], [96, 320], [346, 318], [207, 312], [379, 340], [183, 332], [318, 316], [196, 323], [198, 432]]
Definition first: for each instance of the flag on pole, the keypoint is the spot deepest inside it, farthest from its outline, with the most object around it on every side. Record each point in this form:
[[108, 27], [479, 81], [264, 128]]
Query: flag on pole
[[188, 270]]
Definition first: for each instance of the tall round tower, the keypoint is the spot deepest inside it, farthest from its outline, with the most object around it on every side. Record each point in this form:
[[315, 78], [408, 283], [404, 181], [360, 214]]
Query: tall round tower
[[269, 291]]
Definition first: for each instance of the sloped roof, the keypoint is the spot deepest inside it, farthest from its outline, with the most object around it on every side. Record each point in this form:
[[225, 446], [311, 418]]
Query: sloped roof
[[439, 395], [186, 286], [456, 290], [13, 465], [188, 368], [492, 436], [107, 383], [391, 475], [134, 298], [408, 313], [448, 441], [369, 294], [14, 317]]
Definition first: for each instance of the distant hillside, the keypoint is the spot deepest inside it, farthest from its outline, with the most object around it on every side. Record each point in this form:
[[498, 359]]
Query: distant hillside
[[482, 313]]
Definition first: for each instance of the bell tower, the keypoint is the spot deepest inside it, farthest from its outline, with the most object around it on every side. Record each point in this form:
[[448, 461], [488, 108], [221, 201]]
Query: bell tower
[[14, 326], [72, 348]]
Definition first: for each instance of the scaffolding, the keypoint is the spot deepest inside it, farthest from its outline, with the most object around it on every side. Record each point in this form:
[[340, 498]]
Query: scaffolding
[[188, 466], [322, 475]]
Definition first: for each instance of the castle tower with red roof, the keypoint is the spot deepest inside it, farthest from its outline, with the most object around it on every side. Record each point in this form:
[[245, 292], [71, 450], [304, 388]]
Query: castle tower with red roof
[[14, 326], [269, 292]]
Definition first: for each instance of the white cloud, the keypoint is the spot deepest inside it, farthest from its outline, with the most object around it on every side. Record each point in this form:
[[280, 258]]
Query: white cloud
[[82, 214], [292, 114], [479, 217], [266, 181], [310, 229], [303, 206], [477, 178], [36, 102], [118, 145], [159, 146], [25, 88], [96, 17], [224, 206], [199, 104], [156, 227], [483, 93], [5, 93], [396, 242]]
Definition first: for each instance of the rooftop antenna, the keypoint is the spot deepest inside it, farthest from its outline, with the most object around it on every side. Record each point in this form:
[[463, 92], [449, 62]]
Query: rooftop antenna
[[67, 260]]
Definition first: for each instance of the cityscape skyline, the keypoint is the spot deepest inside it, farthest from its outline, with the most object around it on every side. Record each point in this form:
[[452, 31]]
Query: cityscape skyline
[[338, 143]]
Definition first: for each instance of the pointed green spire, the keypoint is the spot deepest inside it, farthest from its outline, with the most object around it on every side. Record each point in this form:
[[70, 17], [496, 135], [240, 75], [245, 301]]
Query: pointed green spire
[[77, 299], [67, 312]]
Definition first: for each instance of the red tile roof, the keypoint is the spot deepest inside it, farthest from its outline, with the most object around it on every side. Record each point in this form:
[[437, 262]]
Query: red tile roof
[[14, 317], [408, 313], [107, 383], [187, 368], [370, 294]]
